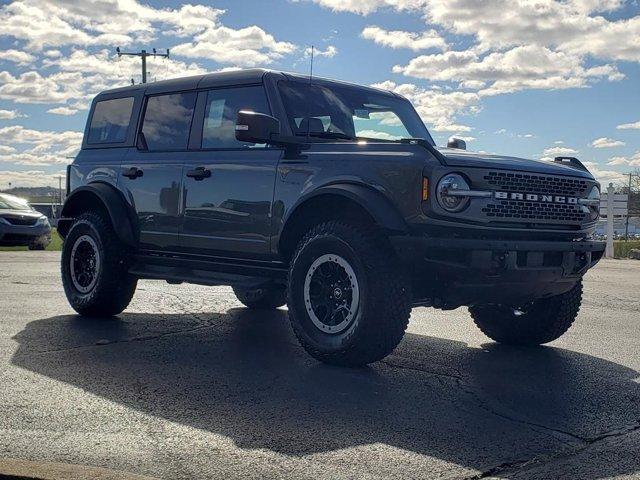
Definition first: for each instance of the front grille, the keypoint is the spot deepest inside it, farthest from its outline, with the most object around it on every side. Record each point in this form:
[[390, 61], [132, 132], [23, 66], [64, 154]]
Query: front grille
[[522, 210], [534, 213], [540, 184], [21, 220]]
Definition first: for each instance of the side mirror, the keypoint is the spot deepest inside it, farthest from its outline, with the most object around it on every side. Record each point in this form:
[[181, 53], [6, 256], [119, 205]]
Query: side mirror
[[457, 143], [256, 127]]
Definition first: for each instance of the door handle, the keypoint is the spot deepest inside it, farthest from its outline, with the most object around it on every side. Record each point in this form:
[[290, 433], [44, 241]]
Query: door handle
[[132, 173], [199, 173]]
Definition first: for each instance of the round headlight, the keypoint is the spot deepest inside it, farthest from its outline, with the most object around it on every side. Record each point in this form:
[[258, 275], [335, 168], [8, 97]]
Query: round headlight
[[594, 209], [448, 198]]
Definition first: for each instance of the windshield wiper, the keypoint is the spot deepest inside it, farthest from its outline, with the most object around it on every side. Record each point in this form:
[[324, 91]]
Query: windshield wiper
[[338, 135]]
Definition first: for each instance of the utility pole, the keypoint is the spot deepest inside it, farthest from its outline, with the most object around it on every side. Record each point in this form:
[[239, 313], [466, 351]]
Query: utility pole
[[626, 226], [143, 54]]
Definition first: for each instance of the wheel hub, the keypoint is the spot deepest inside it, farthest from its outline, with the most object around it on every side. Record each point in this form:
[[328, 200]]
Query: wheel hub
[[331, 293], [84, 264]]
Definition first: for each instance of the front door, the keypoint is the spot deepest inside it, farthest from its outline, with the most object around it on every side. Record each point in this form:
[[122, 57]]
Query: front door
[[152, 174], [228, 185]]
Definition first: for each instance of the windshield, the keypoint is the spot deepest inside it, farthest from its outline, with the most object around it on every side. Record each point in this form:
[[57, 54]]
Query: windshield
[[344, 112], [13, 203]]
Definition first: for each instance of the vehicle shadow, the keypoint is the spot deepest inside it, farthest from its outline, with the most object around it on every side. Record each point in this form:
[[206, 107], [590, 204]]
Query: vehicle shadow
[[241, 374]]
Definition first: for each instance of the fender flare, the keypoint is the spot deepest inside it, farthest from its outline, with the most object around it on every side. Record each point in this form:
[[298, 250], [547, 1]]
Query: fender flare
[[375, 203], [120, 213]]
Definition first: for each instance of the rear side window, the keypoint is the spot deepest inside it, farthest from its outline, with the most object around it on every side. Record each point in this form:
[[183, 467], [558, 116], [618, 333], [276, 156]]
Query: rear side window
[[223, 105], [110, 121], [167, 121]]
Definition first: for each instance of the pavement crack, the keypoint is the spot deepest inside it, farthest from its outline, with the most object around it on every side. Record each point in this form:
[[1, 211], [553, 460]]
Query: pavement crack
[[521, 465]]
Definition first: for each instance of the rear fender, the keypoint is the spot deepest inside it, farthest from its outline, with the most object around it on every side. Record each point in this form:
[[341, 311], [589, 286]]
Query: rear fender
[[105, 197]]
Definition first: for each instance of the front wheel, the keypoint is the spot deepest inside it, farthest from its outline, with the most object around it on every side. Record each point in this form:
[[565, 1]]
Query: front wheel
[[541, 321], [94, 268], [348, 302]]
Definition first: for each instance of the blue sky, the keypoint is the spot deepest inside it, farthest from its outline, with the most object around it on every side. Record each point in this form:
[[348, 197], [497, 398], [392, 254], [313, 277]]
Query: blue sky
[[533, 79]]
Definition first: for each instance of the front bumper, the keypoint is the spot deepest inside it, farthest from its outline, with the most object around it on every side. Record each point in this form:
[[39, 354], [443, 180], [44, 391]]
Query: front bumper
[[23, 235], [450, 272]]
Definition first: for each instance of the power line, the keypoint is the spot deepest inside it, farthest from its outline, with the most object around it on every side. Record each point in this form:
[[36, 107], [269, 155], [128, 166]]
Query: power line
[[143, 54]]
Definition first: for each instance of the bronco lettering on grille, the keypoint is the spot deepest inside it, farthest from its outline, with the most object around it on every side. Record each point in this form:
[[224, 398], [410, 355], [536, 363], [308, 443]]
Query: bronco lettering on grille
[[532, 197]]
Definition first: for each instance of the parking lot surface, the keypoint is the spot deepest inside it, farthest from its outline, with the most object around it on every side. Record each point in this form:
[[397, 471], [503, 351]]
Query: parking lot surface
[[189, 384]]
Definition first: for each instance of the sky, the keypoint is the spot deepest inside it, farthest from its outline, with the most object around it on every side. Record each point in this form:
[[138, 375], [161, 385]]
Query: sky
[[531, 78]]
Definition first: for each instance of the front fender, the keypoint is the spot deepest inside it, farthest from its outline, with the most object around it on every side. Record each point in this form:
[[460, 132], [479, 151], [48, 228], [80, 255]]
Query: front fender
[[371, 200]]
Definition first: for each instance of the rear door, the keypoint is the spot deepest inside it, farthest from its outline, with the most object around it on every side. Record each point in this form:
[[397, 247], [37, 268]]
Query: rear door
[[152, 174], [228, 185]]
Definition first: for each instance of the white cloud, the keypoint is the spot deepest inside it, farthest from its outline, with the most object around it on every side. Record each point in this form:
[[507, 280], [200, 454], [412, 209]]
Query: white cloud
[[43, 147], [437, 108], [17, 56], [377, 134], [247, 47], [328, 52], [615, 161], [523, 67], [81, 75], [604, 176], [365, 7], [10, 114], [42, 24], [628, 126], [402, 39], [558, 152], [63, 111], [632, 161], [465, 138], [5, 149], [558, 142], [32, 87], [604, 142], [29, 178]]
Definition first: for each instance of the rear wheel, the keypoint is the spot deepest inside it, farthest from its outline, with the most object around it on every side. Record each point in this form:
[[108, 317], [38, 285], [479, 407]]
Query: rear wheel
[[94, 268], [538, 322], [348, 302], [266, 298]]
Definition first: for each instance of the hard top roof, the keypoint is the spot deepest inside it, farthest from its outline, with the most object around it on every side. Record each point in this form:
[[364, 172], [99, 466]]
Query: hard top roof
[[227, 78]]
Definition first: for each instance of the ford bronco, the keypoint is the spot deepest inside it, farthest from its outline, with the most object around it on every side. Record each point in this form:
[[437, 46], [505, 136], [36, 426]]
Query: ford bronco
[[328, 197]]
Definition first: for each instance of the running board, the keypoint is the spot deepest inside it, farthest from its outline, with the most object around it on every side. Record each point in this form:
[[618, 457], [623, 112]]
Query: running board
[[178, 269]]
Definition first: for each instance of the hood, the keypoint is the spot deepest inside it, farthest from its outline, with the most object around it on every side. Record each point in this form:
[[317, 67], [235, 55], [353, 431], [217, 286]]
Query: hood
[[20, 213], [464, 158]]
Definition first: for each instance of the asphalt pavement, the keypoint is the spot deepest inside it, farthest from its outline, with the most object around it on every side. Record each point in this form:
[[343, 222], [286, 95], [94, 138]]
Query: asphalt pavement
[[188, 384]]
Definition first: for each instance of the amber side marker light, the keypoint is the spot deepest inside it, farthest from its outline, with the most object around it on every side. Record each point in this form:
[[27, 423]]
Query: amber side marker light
[[425, 189]]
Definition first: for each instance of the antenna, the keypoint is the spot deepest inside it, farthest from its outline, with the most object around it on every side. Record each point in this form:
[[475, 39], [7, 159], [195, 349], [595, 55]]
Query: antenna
[[310, 83]]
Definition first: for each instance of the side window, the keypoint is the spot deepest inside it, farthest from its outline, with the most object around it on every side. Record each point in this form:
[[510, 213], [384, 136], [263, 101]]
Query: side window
[[167, 121], [223, 105], [110, 121]]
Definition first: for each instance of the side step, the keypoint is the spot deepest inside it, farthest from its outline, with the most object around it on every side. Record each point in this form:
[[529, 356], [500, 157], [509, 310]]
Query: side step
[[211, 272]]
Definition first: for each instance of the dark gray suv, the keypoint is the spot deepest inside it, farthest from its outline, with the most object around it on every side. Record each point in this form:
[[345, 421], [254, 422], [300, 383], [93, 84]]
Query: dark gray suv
[[329, 197]]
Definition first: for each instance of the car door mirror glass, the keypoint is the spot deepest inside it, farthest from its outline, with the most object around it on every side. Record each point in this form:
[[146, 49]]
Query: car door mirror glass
[[141, 142]]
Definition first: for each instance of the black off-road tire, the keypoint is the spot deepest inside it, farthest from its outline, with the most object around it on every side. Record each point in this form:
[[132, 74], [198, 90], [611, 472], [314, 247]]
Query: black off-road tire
[[384, 299], [266, 298], [541, 322], [114, 287]]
